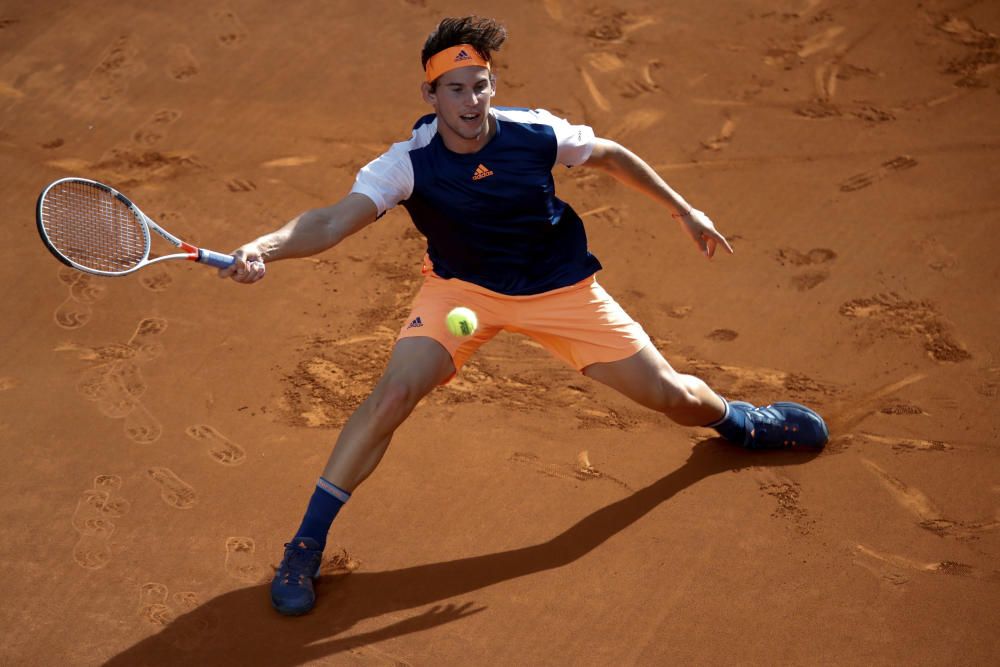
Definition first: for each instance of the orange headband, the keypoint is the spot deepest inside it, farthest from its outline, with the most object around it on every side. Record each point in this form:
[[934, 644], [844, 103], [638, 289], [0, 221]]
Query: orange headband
[[451, 58]]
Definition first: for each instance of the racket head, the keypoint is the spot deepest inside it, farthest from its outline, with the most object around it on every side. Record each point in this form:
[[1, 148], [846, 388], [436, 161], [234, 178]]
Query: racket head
[[92, 227]]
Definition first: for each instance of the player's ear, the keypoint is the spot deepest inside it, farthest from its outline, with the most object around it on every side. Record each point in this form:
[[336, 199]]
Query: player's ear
[[493, 84], [428, 93]]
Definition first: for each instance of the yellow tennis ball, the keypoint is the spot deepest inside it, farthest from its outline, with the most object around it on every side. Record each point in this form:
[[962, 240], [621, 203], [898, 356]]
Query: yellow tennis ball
[[461, 322]]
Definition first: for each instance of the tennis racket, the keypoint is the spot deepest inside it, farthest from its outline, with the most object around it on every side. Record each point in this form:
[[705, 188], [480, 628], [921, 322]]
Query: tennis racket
[[94, 228]]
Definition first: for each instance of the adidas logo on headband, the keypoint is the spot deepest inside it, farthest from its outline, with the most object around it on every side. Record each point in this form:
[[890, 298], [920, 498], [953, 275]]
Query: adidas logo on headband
[[460, 55]]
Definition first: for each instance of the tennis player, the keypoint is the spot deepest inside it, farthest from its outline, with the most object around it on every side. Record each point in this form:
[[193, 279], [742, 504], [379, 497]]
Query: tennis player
[[477, 183]]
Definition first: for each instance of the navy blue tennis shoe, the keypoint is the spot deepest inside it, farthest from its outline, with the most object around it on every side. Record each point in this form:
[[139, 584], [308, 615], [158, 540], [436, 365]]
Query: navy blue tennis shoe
[[781, 425], [292, 592]]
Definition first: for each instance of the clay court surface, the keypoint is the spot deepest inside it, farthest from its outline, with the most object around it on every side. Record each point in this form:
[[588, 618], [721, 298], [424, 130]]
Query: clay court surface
[[162, 432]]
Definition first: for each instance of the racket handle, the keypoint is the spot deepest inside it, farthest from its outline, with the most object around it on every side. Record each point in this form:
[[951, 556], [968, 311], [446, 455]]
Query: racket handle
[[216, 259]]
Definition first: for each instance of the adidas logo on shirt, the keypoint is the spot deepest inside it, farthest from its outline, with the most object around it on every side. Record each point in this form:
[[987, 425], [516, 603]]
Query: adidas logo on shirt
[[415, 323], [481, 172]]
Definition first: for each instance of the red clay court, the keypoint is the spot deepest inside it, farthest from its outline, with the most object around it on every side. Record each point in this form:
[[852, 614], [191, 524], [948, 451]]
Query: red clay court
[[162, 432]]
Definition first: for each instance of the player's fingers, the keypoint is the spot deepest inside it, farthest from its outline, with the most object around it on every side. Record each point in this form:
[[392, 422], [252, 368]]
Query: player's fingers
[[710, 248], [256, 270], [722, 239], [230, 271], [237, 268], [242, 269], [247, 269]]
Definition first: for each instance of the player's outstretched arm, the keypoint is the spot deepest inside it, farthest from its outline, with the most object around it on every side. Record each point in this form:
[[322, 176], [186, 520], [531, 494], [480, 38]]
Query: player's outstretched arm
[[632, 170], [310, 233]]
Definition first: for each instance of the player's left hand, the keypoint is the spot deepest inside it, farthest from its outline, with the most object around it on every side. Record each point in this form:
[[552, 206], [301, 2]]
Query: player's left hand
[[702, 231]]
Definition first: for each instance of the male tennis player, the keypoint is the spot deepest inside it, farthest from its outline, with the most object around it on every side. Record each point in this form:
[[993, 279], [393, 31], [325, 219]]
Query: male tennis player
[[477, 182]]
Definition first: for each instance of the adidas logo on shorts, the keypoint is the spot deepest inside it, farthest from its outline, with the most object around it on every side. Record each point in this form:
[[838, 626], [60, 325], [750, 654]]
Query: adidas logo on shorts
[[415, 323]]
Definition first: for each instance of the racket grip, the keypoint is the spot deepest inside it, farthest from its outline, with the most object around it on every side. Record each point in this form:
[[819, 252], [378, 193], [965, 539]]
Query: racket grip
[[216, 259]]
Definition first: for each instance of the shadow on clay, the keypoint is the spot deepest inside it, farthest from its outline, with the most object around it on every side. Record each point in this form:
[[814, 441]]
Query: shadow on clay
[[251, 632]]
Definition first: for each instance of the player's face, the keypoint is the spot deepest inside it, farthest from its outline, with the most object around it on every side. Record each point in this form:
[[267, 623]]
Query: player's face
[[461, 101]]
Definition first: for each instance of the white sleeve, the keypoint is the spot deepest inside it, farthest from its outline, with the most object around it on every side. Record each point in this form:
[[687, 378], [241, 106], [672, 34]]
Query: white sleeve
[[574, 142], [388, 179]]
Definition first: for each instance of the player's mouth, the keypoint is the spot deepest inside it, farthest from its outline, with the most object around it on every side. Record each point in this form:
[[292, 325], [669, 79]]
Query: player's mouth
[[471, 117]]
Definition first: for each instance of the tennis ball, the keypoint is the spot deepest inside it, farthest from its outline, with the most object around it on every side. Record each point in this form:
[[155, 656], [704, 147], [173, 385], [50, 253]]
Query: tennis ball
[[461, 322]]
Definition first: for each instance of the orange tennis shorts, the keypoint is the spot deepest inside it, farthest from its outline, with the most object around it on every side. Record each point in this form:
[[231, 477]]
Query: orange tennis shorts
[[580, 324]]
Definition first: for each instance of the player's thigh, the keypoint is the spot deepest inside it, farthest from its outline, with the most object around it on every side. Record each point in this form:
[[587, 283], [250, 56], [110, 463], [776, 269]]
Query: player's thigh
[[582, 325], [645, 377]]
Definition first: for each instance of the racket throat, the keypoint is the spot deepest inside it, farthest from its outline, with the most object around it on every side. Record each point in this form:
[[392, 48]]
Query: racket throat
[[191, 251]]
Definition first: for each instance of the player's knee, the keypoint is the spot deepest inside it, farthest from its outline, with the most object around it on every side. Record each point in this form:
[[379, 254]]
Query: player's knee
[[393, 400]]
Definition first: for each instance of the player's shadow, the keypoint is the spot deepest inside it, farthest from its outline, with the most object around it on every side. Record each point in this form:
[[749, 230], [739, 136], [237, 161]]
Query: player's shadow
[[240, 627]]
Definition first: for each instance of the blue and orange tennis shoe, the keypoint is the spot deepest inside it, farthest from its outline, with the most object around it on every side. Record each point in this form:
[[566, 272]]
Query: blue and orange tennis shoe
[[781, 425], [292, 592]]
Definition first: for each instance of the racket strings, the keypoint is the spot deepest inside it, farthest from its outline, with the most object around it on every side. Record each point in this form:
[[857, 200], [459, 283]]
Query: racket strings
[[93, 228]]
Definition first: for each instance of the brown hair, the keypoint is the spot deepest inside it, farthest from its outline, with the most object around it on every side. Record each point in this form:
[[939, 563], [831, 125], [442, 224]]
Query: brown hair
[[485, 35]]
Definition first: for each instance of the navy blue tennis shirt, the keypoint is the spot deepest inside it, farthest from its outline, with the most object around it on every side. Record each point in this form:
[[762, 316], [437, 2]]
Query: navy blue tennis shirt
[[491, 217]]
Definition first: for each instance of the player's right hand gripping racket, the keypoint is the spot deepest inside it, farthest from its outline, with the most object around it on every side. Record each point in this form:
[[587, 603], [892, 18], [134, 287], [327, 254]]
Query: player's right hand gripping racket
[[94, 228]]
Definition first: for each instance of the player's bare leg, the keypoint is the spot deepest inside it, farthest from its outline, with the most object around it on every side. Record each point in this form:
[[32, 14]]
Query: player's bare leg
[[416, 366], [649, 380]]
